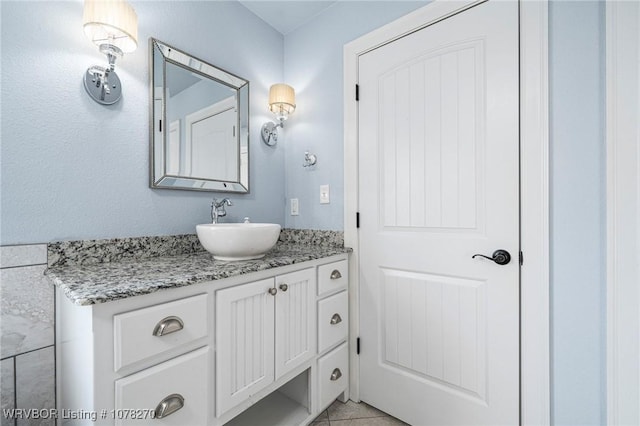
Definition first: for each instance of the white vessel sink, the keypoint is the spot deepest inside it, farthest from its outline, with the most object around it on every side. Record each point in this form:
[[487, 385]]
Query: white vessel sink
[[238, 241]]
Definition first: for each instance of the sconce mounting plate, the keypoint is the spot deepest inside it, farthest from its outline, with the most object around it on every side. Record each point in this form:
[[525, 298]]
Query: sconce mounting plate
[[269, 133], [93, 80]]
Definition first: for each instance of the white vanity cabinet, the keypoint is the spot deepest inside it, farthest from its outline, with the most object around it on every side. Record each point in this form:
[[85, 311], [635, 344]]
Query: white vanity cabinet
[[262, 348], [263, 330]]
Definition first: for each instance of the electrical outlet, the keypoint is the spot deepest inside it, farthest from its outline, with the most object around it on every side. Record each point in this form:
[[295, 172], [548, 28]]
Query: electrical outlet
[[294, 207], [324, 194]]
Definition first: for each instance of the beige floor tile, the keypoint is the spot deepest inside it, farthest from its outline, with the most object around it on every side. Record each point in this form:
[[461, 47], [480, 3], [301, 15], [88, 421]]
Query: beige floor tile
[[372, 421], [321, 420], [352, 410]]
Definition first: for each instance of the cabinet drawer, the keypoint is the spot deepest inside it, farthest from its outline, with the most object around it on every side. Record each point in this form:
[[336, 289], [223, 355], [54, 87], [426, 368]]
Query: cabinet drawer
[[333, 276], [333, 324], [181, 383], [147, 332], [333, 370]]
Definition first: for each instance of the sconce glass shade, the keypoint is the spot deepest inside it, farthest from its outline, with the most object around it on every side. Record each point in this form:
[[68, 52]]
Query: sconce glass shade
[[111, 22], [112, 25], [282, 100]]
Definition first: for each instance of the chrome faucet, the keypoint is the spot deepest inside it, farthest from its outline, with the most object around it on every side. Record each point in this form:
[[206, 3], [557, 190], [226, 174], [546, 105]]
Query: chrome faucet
[[217, 209]]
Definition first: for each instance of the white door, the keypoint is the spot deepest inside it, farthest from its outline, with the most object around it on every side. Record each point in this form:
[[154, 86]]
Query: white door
[[295, 320], [438, 183], [213, 147], [244, 342], [212, 141]]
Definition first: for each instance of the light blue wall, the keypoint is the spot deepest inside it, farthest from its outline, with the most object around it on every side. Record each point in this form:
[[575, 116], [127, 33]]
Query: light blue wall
[[577, 212], [313, 66], [74, 169]]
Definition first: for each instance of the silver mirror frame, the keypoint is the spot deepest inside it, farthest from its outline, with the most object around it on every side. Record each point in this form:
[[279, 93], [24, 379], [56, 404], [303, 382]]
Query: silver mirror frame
[[192, 64]]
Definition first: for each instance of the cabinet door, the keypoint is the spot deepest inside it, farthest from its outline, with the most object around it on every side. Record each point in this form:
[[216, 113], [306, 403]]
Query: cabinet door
[[244, 342], [295, 320]]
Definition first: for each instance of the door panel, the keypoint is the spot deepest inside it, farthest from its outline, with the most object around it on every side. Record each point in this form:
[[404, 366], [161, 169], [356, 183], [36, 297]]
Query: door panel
[[430, 143], [438, 183], [434, 329]]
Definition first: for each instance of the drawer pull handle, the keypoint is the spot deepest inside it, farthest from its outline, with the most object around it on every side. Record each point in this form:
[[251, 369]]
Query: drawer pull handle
[[335, 275], [284, 287], [168, 325], [335, 319], [272, 291], [336, 374], [169, 405]]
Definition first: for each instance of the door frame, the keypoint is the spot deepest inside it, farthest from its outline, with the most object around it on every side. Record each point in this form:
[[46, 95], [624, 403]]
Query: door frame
[[623, 211], [534, 190]]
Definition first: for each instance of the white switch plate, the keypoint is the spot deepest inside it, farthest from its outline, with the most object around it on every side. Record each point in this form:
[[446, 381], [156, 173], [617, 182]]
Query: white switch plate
[[294, 207], [324, 194]]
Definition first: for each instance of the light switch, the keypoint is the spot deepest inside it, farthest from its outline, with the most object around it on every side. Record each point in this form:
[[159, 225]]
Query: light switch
[[324, 194], [294, 207]]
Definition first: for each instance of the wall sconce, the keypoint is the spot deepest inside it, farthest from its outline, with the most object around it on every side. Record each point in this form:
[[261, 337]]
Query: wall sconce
[[112, 25], [282, 102]]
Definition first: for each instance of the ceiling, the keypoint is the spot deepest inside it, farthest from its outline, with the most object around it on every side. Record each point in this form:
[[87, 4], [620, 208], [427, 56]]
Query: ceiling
[[286, 16]]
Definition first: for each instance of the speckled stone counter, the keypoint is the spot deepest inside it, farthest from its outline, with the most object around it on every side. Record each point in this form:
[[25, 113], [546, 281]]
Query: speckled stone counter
[[90, 283]]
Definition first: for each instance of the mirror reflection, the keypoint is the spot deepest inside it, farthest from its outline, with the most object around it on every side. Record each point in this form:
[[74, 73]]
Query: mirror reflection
[[200, 113]]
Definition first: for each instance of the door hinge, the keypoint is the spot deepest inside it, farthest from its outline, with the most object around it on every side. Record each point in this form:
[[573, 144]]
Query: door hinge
[[357, 92], [521, 258], [358, 346], [357, 219], [160, 125]]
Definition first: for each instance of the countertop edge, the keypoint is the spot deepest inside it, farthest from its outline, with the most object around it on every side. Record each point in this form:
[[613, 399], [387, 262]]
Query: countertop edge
[[85, 286]]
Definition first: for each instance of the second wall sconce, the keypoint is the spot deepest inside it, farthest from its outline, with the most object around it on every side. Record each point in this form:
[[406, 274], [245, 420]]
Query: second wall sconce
[[282, 102], [112, 25]]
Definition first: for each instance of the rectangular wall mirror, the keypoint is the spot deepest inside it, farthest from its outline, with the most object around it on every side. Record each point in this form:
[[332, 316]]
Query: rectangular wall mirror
[[199, 126]]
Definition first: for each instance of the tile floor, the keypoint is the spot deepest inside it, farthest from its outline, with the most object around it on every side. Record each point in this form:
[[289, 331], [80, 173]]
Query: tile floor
[[353, 414]]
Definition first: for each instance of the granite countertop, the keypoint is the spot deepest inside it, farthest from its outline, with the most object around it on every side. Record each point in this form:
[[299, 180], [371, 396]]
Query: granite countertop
[[91, 284]]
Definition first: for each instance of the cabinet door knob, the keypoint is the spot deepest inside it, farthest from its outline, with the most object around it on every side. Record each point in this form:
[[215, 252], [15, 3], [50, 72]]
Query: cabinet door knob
[[335, 319], [272, 291], [336, 374], [168, 325], [335, 275], [169, 405], [284, 287]]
